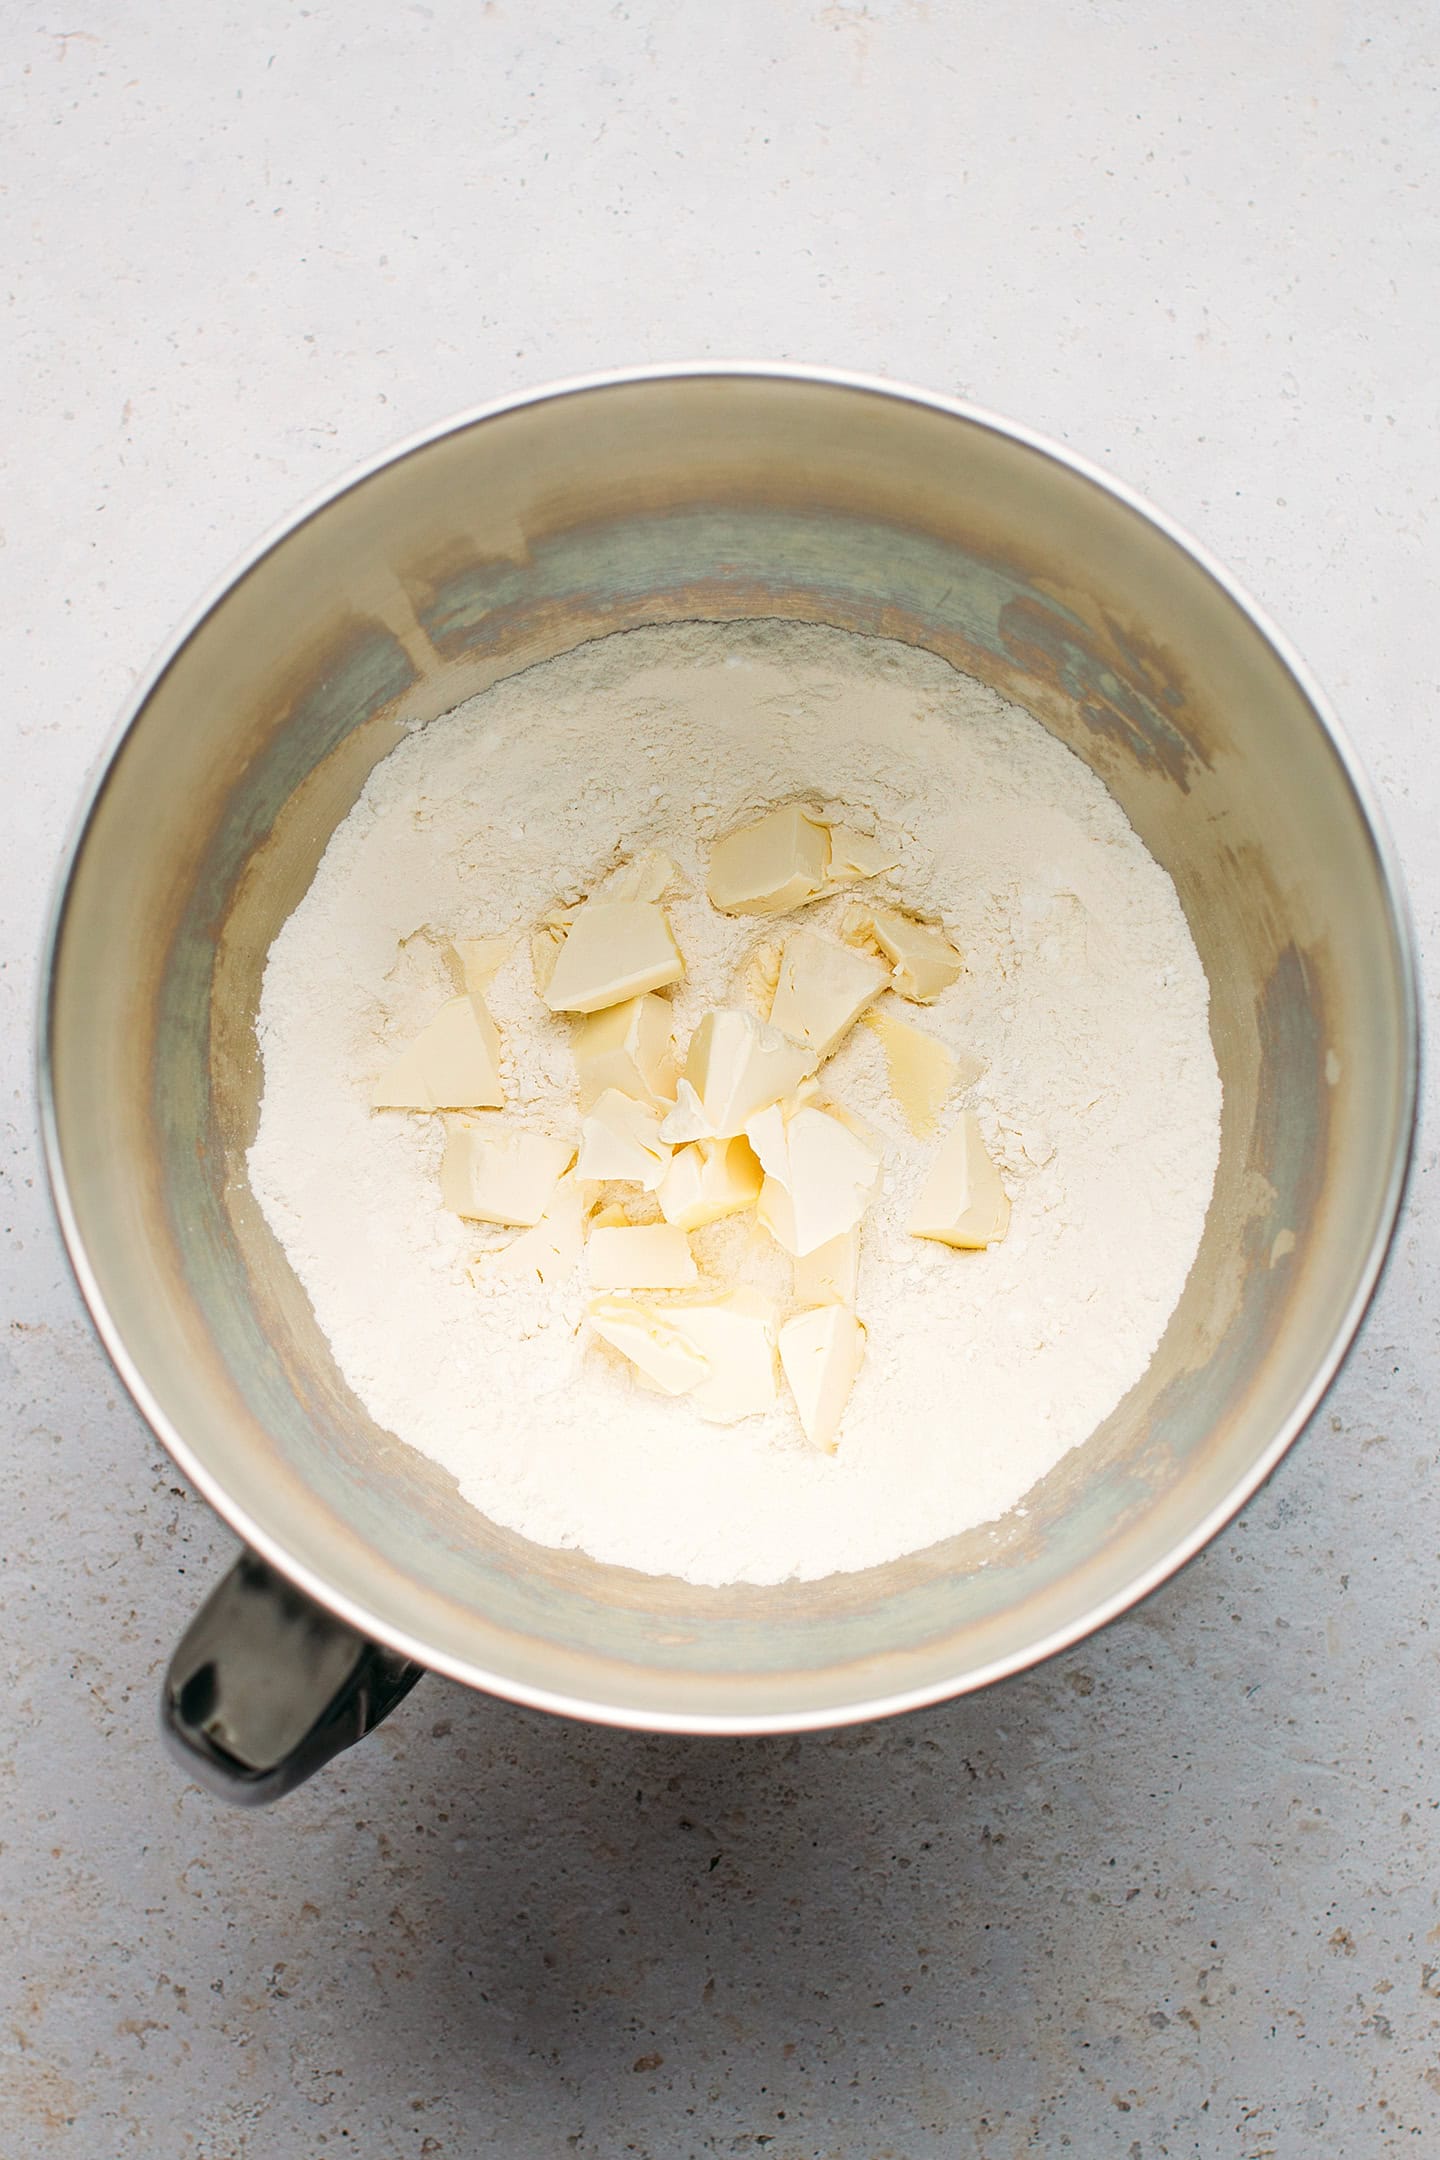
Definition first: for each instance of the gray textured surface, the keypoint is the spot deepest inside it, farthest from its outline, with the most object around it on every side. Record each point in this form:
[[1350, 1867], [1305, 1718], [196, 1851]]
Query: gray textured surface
[[1171, 1896]]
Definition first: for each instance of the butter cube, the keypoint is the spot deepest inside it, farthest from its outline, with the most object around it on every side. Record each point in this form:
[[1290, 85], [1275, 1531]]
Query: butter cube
[[822, 990], [550, 1250], [822, 1352], [762, 977], [922, 1071], [493, 1171], [818, 1176], [545, 946], [854, 855], [620, 1138], [735, 1066], [475, 962], [547, 940], [628, 1047], [923, 960], [736, 1337], [962, 1201], [687, 1121], [652, 1346], [708, 1179], [775, 864], [610, 1216], [453, 1064], [649, 877], [766, 1135], [828, 1275], [651, 1256], [614, 950]]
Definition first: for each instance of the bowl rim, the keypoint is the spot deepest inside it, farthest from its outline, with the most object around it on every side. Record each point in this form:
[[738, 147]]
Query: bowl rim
[[864, 1706]]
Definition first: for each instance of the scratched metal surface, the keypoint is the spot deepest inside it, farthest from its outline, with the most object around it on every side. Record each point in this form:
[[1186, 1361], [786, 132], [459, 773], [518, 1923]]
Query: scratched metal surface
[[1168, 1896]]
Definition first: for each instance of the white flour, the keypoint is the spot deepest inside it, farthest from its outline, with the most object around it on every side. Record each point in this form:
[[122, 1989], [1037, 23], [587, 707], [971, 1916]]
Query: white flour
[[1083, 996]]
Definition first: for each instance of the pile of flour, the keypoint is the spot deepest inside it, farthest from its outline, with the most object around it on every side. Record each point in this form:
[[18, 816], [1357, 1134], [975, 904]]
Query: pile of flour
[[1084, 1003]]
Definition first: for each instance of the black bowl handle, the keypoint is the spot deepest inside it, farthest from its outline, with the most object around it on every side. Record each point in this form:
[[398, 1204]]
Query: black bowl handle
[[266, 1686]]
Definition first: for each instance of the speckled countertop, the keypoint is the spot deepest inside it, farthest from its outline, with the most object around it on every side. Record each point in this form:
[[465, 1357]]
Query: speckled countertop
[[1172, 1895]]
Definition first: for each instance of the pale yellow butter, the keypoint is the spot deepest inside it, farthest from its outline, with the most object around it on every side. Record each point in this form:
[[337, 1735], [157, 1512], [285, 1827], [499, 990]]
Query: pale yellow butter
[[822, 989], [628, 1046], [614, 950], [719, 1351], [818, 1176], [620, 1139], [829, 1274], [708, 1179], [735, 1066], [761, 978], [545, 943], [550, 1250], [735, 1335], [453, 1064], [854, 856], [651, 1256], [652, 1346], [545, 946], [922, 1071], [493, 1171], [822, 1352], [778, 862], [476, 961], [649, 877], [923, 960], [962, 1201], [687, 1121]]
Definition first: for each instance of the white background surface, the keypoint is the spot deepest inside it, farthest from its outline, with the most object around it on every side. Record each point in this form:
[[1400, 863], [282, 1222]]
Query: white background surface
[[1170, 1896]]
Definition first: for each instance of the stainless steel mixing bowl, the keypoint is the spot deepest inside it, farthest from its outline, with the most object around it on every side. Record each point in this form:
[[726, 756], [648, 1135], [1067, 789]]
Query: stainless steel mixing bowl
[[501, 539]]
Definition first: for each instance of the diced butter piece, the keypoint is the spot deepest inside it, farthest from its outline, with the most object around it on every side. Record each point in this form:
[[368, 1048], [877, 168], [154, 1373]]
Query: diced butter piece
[[822, 990], [828, 1275], [962, 1201], [766, 1135], [453, 1064], [923, 961], [762, 977], [708, 1179], [687, 1120], [775, 1212], [614, 950], [736, 1337], [649, 877], [476, 961], [922, 1071], [652, 1256], [610, 1216], [550, 1250], [620, 1139], [818, 1176], [547, 940], [493, 1171], [854, 855], [775, 864], [545, 946], [650, 1343], [736, 1065], [821, 1352], [628, 1047]]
